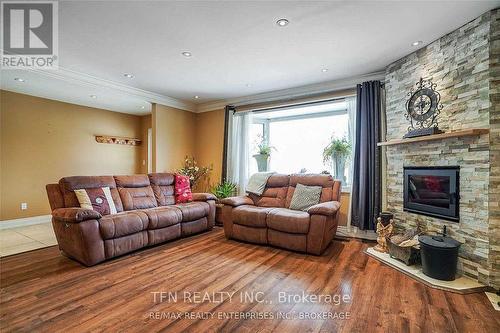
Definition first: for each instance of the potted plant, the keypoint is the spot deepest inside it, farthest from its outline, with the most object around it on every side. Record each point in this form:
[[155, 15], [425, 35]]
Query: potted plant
[[221, 191], [335, 155], [263, 153], [193, 171]]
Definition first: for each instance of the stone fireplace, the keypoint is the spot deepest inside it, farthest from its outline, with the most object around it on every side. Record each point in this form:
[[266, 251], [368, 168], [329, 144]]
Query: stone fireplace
[[463, 64]]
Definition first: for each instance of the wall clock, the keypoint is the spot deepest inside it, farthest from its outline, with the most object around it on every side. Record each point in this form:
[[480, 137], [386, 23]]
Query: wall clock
[[422, 108]]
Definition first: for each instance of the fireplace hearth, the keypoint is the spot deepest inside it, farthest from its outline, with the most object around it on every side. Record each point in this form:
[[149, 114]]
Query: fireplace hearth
[[432, 191]]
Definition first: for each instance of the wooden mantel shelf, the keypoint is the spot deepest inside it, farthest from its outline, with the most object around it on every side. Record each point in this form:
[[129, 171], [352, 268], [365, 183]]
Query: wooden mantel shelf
[[454, 134]]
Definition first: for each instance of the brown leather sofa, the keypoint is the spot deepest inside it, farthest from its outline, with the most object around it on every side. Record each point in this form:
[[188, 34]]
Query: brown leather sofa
[[146, 215], [266, 219]]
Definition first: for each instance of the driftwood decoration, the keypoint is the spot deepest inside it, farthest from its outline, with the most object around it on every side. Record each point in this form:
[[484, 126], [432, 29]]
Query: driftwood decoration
[[118, 140]]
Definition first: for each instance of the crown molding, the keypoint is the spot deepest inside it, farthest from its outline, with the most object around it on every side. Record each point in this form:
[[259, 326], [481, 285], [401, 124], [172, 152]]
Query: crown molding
[[70, 76], [302, 91]]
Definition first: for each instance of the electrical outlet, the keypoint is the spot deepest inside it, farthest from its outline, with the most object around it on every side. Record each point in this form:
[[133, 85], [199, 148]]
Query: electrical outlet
[[24, 205], [143, 162]]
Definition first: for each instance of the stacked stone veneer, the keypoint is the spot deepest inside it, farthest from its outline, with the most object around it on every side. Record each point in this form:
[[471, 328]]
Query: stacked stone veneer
[[464, 65]]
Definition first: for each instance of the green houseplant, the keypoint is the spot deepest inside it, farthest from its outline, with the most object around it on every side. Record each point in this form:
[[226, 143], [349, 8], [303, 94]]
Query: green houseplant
[[263, 153], [335, 155], [224, 190], [221, 191]]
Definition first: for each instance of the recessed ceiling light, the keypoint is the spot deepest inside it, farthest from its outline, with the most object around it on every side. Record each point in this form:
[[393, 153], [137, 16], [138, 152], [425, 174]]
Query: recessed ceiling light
[[417, 43], [187, 54], [196, 97], [128, 75], [324, 70], [93, 96], [282, 22], [248, 85], [143, 107], [18, 79]]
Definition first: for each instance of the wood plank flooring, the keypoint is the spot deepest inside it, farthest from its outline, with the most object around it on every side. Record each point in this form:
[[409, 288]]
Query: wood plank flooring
[[46, 292]]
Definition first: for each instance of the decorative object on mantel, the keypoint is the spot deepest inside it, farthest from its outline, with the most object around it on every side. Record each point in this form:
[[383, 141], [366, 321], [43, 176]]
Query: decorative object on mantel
[[442, 136], [439, 256], [422, 108], [119, 140], [384, 230], [405, 247]]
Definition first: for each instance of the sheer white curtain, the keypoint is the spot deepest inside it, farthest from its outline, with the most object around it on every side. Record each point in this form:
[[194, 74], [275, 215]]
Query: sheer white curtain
[[351, 111], [239, 149]]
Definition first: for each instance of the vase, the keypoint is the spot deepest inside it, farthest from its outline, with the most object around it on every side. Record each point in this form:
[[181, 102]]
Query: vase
[[262, 161], [339, 165]]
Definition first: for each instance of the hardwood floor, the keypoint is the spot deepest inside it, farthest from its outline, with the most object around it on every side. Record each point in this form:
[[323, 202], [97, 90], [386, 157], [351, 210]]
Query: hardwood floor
[[44, 291]]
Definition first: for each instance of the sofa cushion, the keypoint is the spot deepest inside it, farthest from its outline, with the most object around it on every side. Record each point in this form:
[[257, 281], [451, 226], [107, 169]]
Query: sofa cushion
[[251, 216], [305, 197], [287, 220], [163, 187], [98, 199], [122, 224], [193, 210], [161, 217], [68, 185], [329, 186], [182, 189], [135, 192]]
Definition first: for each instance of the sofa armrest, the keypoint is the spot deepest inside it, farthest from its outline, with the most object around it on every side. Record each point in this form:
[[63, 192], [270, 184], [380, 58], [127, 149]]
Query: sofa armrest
[[328, 208], [237, 201], [75, 214], [203, 196]]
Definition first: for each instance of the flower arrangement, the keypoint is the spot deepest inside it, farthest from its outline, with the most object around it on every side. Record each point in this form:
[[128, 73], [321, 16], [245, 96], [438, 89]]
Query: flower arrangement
[[193, 171]]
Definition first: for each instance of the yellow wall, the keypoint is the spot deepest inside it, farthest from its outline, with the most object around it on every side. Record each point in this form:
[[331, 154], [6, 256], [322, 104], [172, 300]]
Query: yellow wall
[[209, 145], [43, 140], [173, 137]]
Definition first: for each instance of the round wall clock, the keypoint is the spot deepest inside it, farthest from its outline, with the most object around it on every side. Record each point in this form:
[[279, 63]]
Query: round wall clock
[[422, 109]]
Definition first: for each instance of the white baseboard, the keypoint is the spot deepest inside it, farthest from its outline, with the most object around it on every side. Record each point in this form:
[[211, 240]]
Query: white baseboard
[[23, 222], [353, 232]]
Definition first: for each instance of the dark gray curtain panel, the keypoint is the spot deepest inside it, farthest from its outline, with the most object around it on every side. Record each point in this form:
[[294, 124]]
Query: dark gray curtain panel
[[366, 198]]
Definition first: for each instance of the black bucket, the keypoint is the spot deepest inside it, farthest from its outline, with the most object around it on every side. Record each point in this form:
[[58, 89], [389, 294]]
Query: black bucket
[[439, 256]]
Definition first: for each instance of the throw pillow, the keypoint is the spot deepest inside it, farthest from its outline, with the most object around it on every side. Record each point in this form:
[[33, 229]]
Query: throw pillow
[[305, 197], [98, 199], [182, 189]]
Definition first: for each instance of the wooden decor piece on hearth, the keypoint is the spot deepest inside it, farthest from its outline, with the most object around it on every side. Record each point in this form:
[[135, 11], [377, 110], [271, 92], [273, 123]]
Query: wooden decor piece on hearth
[[384, 231], [118, 140]]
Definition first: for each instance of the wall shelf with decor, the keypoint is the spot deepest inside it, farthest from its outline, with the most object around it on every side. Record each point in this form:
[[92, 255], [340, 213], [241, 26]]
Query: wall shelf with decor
[[117, 140], [454, 134]]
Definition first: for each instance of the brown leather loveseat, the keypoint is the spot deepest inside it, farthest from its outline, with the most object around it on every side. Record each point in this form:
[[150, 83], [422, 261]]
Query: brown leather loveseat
[[146, 215], [266, 219]]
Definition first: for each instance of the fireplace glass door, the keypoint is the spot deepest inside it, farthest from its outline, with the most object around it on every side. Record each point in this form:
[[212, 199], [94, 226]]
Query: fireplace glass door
[[432, 191]]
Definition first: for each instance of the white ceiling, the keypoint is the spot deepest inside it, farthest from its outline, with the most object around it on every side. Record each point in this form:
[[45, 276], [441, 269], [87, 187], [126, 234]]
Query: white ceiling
[[237, 48]]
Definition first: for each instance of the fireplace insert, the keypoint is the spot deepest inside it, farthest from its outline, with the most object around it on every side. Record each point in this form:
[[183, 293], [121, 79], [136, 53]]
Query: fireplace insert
[[432, 191]]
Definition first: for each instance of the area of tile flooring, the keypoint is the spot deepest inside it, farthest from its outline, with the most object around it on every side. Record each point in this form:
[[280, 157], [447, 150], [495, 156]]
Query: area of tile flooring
[[22, 239]]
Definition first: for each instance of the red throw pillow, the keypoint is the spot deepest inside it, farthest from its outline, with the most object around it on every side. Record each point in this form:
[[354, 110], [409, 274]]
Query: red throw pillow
[[182, 189]]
